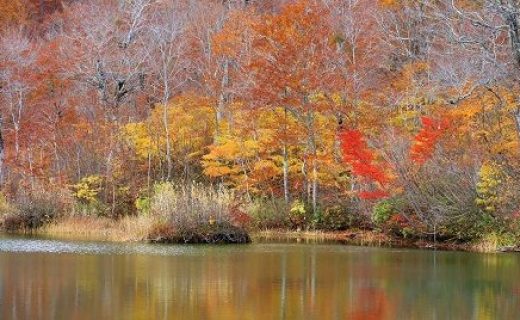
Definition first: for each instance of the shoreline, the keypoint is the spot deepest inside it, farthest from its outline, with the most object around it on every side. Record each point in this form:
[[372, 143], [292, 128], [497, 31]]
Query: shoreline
[[136, 229], [369, 238]]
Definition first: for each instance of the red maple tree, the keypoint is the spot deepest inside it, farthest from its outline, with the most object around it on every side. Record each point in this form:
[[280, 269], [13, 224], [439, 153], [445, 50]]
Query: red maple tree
[[427, 139], [361, 158]]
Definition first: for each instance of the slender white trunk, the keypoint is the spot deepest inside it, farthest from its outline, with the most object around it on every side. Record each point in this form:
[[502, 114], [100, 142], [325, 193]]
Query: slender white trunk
[[313, 152], [314, 188], [222, 98], [2, 154], [516, 116], [285, 175], [285, 164], [168, 142], [166, 98]]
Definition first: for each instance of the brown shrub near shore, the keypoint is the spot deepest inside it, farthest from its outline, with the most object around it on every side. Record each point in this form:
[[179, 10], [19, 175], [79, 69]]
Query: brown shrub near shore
[[223, 233]]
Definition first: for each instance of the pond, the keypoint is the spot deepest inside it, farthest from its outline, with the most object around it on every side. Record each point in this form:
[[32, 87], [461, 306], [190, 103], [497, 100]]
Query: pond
[[61, 279]]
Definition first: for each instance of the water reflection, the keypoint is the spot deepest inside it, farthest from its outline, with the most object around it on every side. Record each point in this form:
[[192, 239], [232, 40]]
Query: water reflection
[[81, 280]]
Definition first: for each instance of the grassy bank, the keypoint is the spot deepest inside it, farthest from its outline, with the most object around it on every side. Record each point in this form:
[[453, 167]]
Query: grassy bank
[[354, 237], [139, 228], [489, 244], [198, 213], [148, 229], [99, 228]]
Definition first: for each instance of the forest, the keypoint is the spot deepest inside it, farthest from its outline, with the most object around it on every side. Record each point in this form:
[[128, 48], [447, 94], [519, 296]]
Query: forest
[[397, 117]]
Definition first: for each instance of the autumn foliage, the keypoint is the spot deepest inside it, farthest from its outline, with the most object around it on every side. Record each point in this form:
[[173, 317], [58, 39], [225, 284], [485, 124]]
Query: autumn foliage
[[427, 139], [361, 158], [330, 106]]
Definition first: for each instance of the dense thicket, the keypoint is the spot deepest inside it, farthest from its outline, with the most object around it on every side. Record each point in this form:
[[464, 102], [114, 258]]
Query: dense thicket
[[315, 113]]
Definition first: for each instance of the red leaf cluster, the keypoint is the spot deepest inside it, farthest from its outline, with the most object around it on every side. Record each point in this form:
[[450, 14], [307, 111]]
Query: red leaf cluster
[[373, 195], [427, 139], [358, 155]]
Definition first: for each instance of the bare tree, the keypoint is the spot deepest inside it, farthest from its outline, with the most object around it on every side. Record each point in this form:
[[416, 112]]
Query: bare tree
[[18, 55], [168, 61]]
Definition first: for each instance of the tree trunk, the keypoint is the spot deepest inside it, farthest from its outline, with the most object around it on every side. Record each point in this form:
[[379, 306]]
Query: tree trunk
[[516, 116], [165, 100], [285, 164], [222, 98], [314, 189], [285, 175], [168, 143], [514, 34], [313, 152], [2, 154]]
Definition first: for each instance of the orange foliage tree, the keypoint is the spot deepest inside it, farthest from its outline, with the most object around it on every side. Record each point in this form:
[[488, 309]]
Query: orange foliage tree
[[426, 140], [295, 66]]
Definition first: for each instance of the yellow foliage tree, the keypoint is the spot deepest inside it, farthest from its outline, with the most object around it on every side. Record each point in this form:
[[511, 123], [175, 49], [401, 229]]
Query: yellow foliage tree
[[191, 126], [488, 188]]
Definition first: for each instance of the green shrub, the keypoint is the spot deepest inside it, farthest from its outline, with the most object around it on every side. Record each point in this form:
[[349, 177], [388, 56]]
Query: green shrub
[[471, 225], [494, 241], [269, 213], [408, 232], [143, 205], [339, 217], [300, 215], [385, 209]]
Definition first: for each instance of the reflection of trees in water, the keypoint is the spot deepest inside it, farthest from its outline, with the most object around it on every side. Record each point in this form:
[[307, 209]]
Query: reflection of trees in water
[[372, 305], [287, 282]]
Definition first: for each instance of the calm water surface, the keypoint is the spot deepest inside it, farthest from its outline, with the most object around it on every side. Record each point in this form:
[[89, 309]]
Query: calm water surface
[[53, 279]]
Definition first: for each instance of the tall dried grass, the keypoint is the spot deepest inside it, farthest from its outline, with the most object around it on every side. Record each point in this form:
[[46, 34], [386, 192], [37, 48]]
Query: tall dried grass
[[188, 206], [131, 228]]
